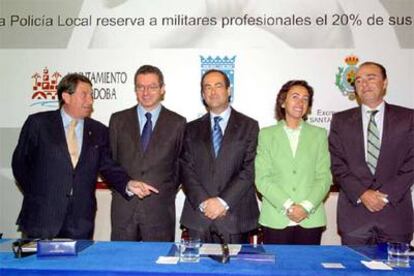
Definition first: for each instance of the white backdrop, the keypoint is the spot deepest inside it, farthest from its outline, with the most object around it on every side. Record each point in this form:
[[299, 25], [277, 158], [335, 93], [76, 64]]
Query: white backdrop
[[265, 58]]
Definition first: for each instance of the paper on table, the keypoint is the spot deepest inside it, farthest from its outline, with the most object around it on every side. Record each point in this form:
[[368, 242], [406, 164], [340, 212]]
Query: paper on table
[[167, 260], [215, 249], [333, 265], [376, 265]]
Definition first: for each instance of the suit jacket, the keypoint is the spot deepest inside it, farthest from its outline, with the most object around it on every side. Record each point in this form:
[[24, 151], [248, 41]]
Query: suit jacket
[[394, 174], [230, 176], [42, 167], [157, 166], [280, 176]]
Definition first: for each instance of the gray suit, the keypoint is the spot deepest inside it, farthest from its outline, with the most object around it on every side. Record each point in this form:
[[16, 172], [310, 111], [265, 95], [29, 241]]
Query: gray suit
[[230, 176], [151, 218]]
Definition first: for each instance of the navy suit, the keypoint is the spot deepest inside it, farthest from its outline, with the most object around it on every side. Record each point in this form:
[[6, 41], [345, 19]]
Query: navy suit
[[51, 187], [230, 176], [394, 174]]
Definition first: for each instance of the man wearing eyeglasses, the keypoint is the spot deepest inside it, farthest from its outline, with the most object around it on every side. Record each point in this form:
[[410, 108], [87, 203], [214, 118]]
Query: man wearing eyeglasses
[[217, 167], [146, 140]]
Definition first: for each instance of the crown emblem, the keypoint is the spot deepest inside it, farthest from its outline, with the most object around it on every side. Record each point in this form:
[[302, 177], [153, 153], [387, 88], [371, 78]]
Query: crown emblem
[[345, 77], [351, 60]]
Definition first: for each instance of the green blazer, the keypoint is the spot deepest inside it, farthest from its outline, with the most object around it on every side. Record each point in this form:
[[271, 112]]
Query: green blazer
[[280, 176]]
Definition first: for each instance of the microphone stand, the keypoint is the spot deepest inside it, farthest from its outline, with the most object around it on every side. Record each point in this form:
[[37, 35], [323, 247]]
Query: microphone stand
[[225, 257]]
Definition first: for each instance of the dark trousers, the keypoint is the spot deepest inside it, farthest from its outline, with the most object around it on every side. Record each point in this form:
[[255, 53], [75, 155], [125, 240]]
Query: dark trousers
[[210, 236], [371, 235], [136, 228], [71, 228], [293, 235], [137, 232]]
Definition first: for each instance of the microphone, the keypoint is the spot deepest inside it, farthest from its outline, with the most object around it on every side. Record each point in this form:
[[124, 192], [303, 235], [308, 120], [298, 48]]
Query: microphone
[[225, 257], [24, 247]]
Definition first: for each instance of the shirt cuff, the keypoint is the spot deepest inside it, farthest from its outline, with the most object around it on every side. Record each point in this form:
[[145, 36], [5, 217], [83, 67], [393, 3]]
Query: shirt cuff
[[307, 205], [226, 206], [287, 205], [128, 192], [202, 206]]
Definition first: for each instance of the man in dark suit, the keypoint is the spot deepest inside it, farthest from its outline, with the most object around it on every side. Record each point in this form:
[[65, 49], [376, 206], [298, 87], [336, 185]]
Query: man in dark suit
[[56, 163], [372, 153], [146, 140], [217, 165]]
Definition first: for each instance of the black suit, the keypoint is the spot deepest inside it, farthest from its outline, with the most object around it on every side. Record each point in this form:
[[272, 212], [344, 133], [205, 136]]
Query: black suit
[[394, 173], [54, 192], [151, 218], [230, 176]]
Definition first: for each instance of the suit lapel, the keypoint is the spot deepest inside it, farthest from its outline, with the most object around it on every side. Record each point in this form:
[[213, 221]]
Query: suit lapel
[[357, 138], [229, 134], [86, 139], [160, 130], [59, 135], [302, 141], [386, 130], [284, 140], [205, 135], [133, 129]]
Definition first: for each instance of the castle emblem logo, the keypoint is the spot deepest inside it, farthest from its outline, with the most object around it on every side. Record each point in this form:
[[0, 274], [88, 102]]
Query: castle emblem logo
[[345, 78], [225, 64], [44, 90]]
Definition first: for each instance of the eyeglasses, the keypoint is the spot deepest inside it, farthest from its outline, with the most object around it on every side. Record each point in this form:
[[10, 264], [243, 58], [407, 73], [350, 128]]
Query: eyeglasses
[[149, 88], [217, 86]]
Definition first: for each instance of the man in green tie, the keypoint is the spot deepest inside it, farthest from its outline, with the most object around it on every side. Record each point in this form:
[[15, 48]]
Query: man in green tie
[[372, 154]]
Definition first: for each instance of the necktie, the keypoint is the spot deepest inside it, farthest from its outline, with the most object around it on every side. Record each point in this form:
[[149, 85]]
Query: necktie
[[373, 143], [146, 132], [217, 135], [73, 142]]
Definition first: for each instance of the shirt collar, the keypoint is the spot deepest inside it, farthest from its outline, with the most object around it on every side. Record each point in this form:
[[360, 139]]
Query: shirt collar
[[289, 129], [365, 109], [225, 114], [155, 112], [66, 118]]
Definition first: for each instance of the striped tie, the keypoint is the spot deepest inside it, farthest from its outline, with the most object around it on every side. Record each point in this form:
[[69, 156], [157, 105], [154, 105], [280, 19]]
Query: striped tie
[[217, 135], [373, 142]]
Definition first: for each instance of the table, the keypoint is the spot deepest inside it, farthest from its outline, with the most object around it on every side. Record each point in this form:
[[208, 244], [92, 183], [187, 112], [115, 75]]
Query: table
[[138, 258]]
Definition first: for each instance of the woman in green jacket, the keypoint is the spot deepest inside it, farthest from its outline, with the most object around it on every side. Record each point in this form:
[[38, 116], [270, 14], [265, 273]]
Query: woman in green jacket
[[293, 171]]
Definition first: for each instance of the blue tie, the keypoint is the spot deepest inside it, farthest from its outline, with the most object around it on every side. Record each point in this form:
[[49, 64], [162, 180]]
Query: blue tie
[[146, 132], [217, 135]]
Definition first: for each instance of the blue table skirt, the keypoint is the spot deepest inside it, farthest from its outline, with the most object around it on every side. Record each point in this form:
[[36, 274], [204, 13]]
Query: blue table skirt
[[129, 258]]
